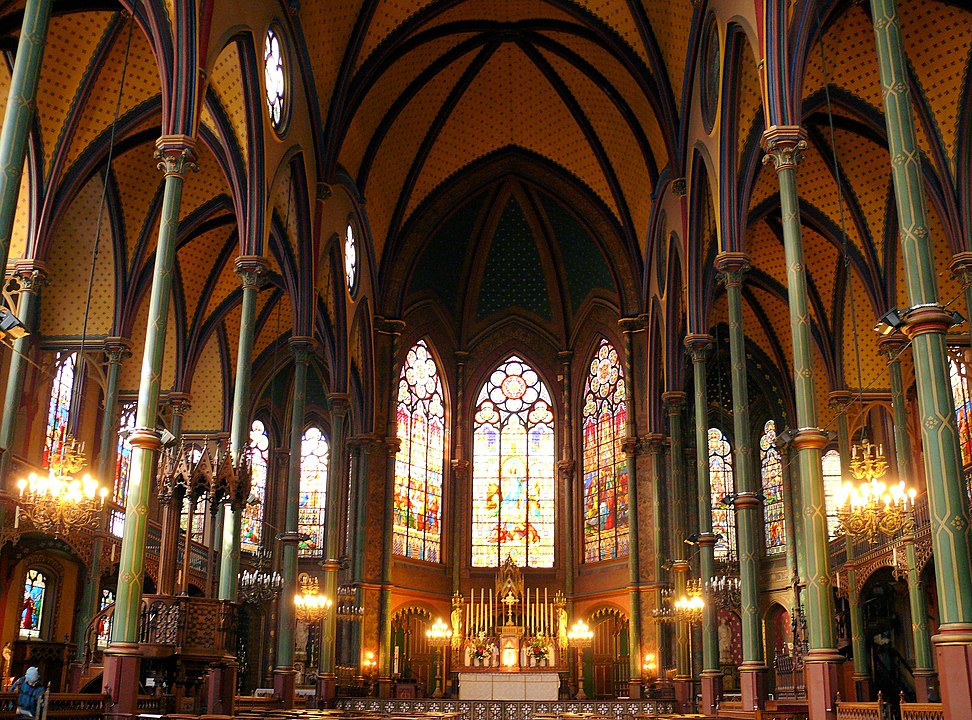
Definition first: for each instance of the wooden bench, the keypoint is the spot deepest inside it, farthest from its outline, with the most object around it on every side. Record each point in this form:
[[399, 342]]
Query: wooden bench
[[877, 710]]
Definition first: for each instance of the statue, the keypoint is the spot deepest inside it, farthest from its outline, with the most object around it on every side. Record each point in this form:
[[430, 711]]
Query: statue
[[725, 641]]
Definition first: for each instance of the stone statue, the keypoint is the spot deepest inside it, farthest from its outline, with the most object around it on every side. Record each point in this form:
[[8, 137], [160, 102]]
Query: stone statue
[[725, 641]]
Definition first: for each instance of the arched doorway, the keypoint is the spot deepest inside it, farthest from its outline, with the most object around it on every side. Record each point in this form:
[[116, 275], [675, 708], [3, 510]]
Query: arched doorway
[[412, 658], [606, 677], [777, 635]]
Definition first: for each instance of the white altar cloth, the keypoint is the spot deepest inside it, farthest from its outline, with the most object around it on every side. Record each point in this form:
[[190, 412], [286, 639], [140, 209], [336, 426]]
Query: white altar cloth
[[531, 685]]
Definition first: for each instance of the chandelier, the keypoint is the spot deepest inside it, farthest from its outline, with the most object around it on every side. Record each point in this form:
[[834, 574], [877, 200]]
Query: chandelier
[[687, 608], [580, 635], [312, 607], [348, 610], [873, 508], [725, 589], [259, 585], [60, 503], [439, 635], [868, 461]]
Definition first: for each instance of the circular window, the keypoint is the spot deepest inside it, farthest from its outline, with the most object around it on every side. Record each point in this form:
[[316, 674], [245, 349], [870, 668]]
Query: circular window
[[350, 258], [274, 68], [710, 70]]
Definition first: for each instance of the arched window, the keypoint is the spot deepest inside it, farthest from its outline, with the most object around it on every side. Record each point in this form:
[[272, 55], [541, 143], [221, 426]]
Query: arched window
[[833, 480], [958, 371], [350, 258], [418, 465], [722, 484], [513, 469], [59, 408], [104, 626], [32, 608], [312, 503], [251, 522], [123, 462], [605, 467], [771, 469], [274, 69]]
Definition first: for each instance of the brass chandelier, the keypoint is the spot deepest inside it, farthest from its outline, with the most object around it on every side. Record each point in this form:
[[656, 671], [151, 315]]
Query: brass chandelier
[[312, 607]]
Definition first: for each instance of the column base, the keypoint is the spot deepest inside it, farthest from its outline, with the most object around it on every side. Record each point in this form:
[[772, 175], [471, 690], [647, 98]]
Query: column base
[[326, 689], [683, 693], [285, 686], [953, 651], [74, 675], [384, 687], [634, 689], [753, 680], [711, 692], [821, 672], [862, 687], [221, 689], [926, 686], [120, 680]]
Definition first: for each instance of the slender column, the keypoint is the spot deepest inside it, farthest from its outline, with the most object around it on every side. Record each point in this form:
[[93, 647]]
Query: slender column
[[172, 578], [392, 329], [362, 448], [841, 400], [926, 679], [19, 116], [566, 468], [789, 515], [961, 267], [654, 446], [284, 676], [460, 467], [784, 147], [123, 657], [747, 503], [31, 276], [251, 270], [674, 404], [699, 346]]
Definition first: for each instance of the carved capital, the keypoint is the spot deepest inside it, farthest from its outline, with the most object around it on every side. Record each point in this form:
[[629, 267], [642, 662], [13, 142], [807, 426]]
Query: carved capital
[[840, 399], [117, 350], [565, 356], [811, 438], [461, 356], [389, 326], [733, 266], [392, 446], [31, 275], [324, 191], [176, 154], [630, 446], [784, 146], [961, 267], [339, 403], [698, 345], [892, 345], [679, 187], [674, 401], [460, 469], [180, 403], [631, 324], [367, 443], [654, 443], [252, 270], [301, 346], [931, 318]]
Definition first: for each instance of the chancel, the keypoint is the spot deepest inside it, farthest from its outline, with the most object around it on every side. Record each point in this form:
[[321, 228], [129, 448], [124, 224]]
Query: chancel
[[486, 359]]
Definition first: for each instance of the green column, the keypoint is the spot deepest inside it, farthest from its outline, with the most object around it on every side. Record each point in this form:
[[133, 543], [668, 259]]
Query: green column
[[655, 443], [699, 346], [841, 400], [286, 613], [171, 499], [19, 115], [31, 276], [784, 146], [747, 503], [251, 270], [336, 475], [790, 516], [176, 155]]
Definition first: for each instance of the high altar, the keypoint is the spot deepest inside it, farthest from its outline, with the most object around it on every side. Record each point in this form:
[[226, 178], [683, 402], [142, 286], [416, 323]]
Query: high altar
[[510, 641]]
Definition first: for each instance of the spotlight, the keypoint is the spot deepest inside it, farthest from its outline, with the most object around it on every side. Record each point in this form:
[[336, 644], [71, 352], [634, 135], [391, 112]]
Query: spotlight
[[10, 325], [890, 322], [167, 438]]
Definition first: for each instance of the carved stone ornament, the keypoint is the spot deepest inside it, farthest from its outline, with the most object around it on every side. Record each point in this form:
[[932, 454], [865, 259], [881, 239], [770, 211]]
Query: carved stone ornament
[[176, 154], [784, 146]]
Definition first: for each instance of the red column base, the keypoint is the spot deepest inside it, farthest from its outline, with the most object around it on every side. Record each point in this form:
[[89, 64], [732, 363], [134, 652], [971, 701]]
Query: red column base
[[123, 663], [683, 694], [862, 688], [384, 687], [821, 671], [285, 685], [711, 692], [753, 685], [326, 689], [953, 650], [634, 689], [926, 686], [74, 677], [221, 689]]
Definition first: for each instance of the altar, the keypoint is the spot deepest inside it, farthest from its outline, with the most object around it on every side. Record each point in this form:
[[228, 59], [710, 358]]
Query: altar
[[522, 685]]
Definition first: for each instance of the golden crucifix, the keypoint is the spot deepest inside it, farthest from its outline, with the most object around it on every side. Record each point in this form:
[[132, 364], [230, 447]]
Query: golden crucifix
[[510, 601]]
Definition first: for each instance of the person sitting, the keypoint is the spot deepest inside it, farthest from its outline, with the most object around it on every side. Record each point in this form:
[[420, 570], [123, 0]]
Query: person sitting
[[29, 690]]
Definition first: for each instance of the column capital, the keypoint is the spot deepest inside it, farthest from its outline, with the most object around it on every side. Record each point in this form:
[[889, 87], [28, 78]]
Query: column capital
[[367, 443], [840, 399], [179, 402], [176, 154], [339, 403], [301, 346], [393, 445], [145, 439], [461, 356], [784, 146], [654, 443], [679, 187], [252, 270], [565, 469], [674, 401], [389, 326], [892, 345], [929, 318], [732, 265], [810, 438], [698, 345], [323, 191], [961, 267], [631, 324], [565, 356], [31, 275], [117, 349]]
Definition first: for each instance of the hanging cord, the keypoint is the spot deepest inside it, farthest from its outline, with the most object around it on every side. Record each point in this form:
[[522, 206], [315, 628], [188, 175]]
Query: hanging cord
[[843, 229]]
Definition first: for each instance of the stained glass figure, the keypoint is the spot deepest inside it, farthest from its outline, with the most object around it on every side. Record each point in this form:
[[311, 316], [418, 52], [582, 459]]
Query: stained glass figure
[[350, 257], [202, 506], [32, 607], [251, 522], [833, 481], [771, 468], [513, 469], [722, 483], [123, 453], [958, 371], [418, 464], [312, 503], [605, 466], [104, 623], [59, 408], [276, 79]]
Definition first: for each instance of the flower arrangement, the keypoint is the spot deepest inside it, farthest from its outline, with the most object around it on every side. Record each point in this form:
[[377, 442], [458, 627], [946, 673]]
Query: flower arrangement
[[539, 647], [481, 647]]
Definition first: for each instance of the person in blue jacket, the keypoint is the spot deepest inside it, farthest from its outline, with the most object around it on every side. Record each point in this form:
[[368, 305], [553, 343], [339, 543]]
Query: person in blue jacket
[[29, 690]]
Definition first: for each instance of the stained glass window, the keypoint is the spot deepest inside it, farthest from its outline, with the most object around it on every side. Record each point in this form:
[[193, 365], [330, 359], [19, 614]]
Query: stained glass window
[[59, 409], [958, 371], [832, 484], [123, 453], [276, 80], [202, 507], [251, 522], [32, 608], [722, 484], [513, 469], [313, 491], [771, 468], [605, 466], [418, 465], [350, 257], [104, 624]]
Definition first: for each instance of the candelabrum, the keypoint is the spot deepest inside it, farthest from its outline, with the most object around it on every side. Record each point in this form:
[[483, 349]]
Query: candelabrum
[[580, 636], [369, 670], [439, 637], [312, 607], [725, 589], [868, 461], [260, 585], [873, 508], [348, 610]]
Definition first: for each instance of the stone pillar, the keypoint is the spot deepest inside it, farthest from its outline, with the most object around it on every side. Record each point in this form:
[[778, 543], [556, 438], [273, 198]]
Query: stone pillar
[[747, 502], [460, 467], [654, 446], [698, 346], [790, 515], [176, 154], [284, 675], [784, 147], [171, 500], [566, 469]]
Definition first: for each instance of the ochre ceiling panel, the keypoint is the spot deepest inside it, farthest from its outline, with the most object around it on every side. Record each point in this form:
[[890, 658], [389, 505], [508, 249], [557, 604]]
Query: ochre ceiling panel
[[195, 263], [137, 180], [767, 184], [766, 251], [199, 187], [510, 102], [874, 365], [231, 322], [131, 369], [328, 26], [285, 204], [749, 96], [388, 16], [386, 91], [21, 228], [672, 24], [277, 323], [821, 258], [854, 67], [207, 390], [227, 81], [778, 315], [227, 283], [502, 10]]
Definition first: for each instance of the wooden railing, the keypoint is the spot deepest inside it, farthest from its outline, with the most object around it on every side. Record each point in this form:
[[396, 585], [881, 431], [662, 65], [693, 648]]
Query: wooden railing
[[61, 706], [921, 711], [878, 710]]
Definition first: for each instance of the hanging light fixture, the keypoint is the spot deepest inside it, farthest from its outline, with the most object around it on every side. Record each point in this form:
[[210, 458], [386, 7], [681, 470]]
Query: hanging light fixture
[[260, 585], [312, 607]]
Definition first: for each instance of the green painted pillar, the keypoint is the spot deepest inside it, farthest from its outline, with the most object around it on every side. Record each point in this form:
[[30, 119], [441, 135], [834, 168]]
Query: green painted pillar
[[926, 326], [251, 270], [655, 445], [784, 147], [171, 499], [176, 154], [19, 116], [284, 675], [926, 679], [841, 400], [747, 503], [31, 276], [699, 346], [790, 514]]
